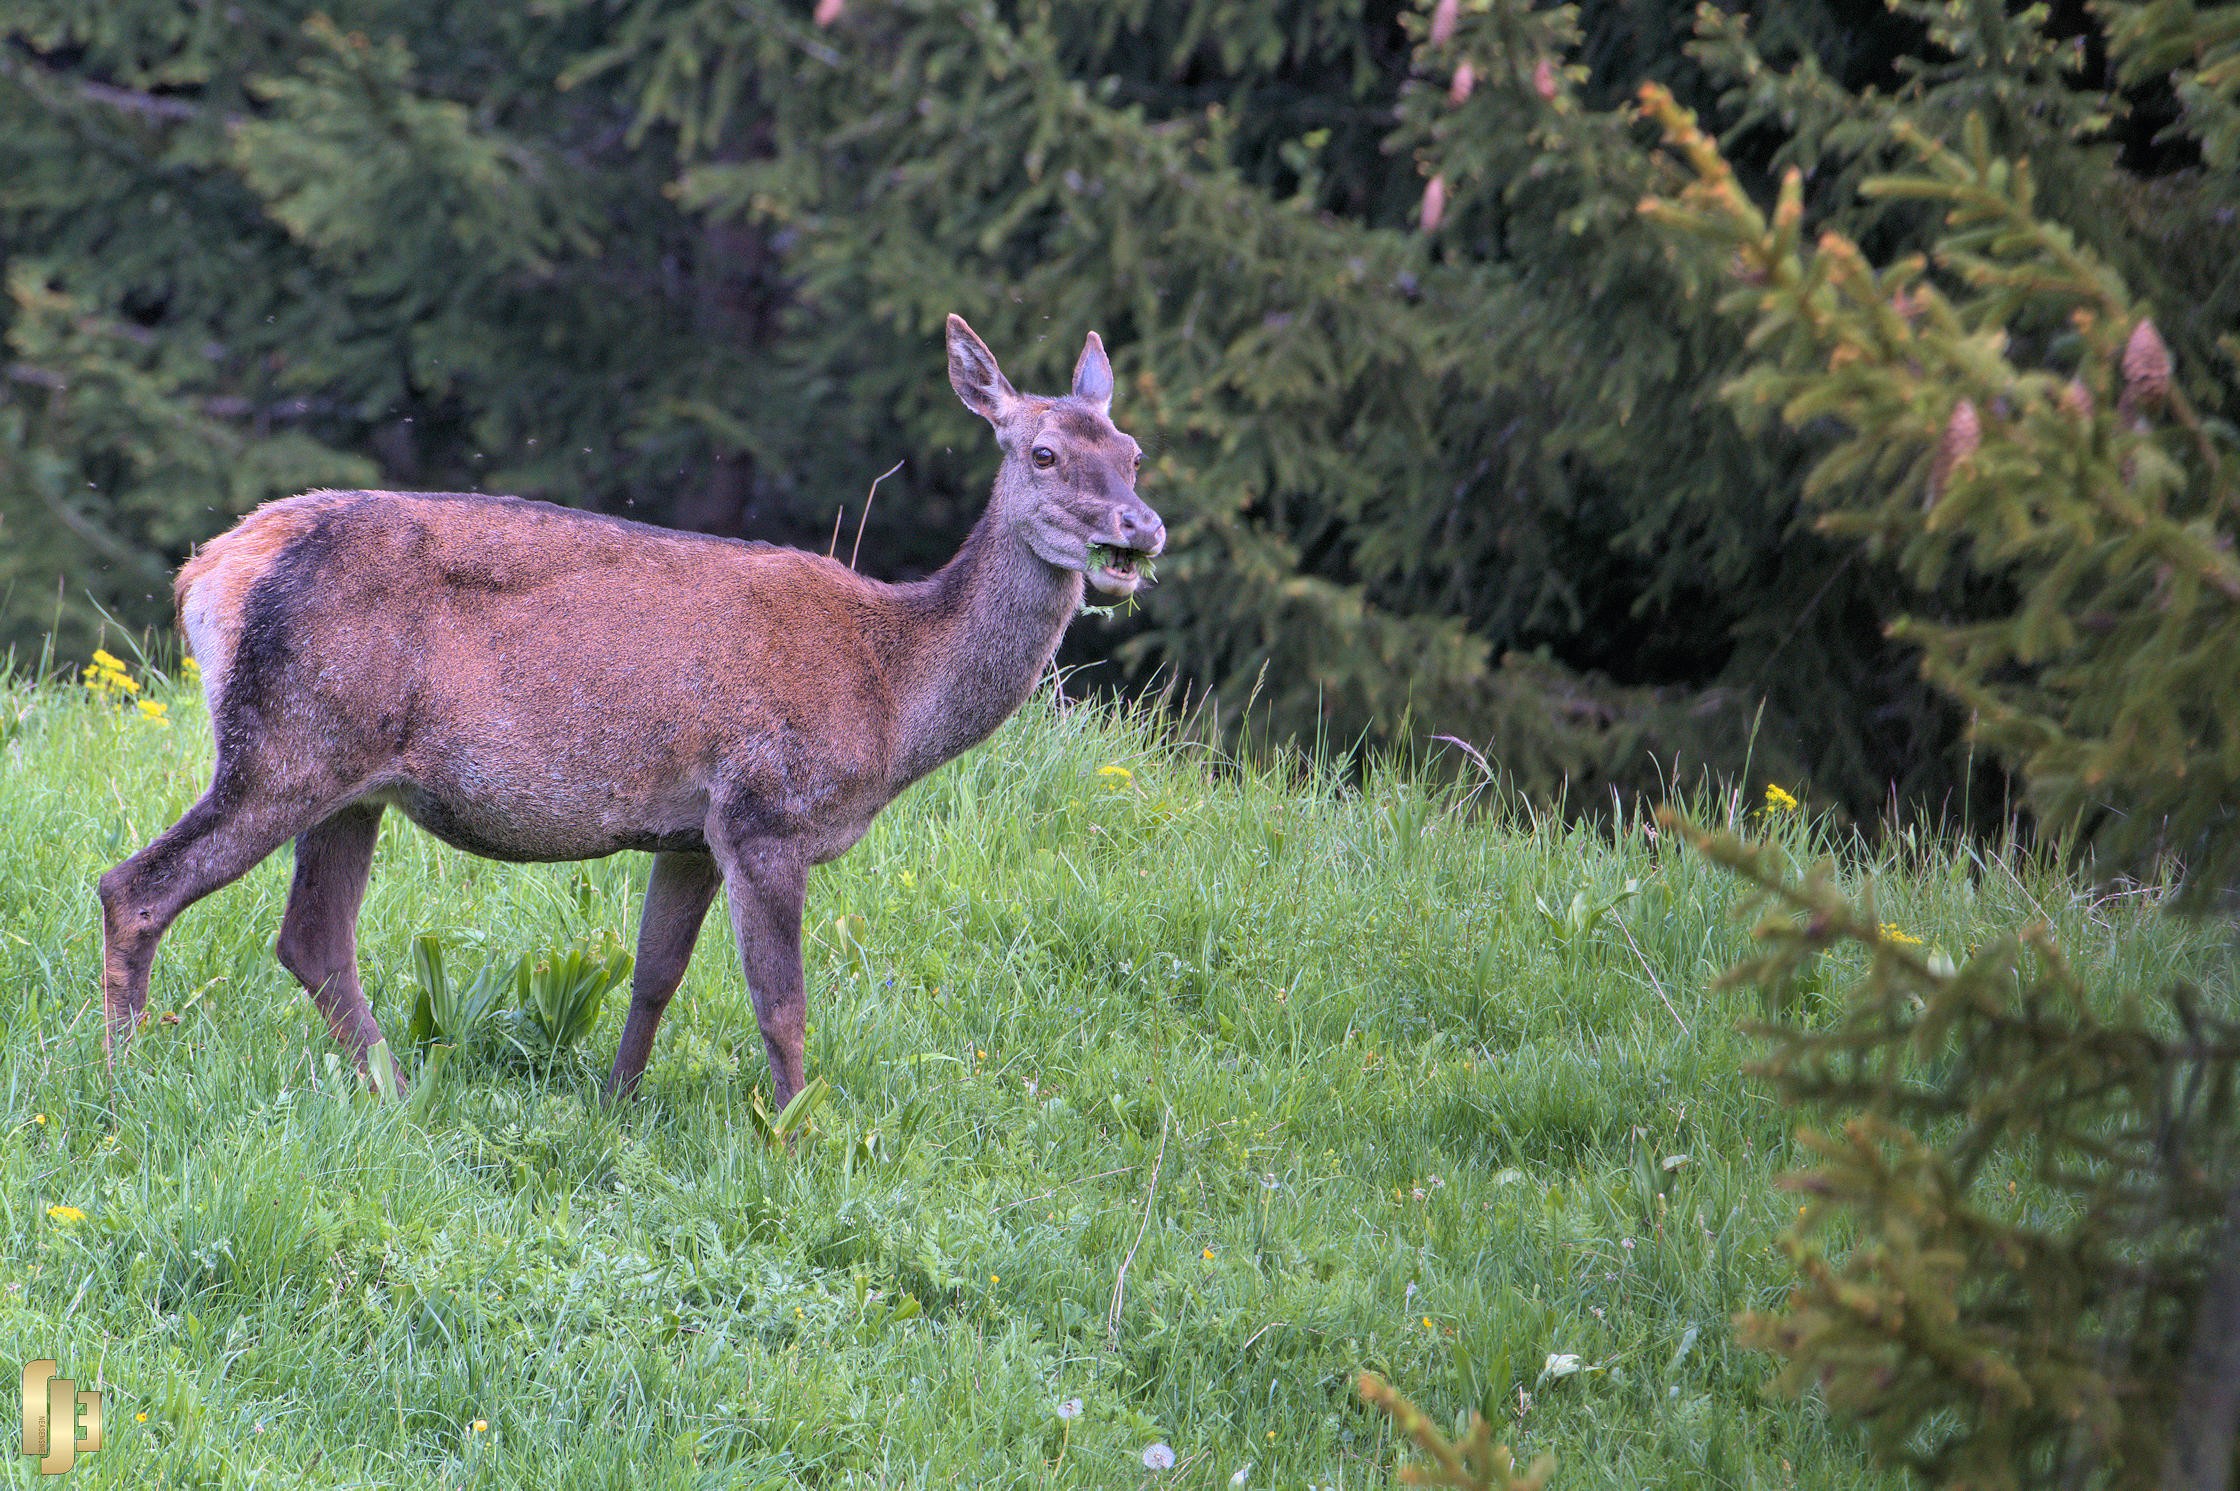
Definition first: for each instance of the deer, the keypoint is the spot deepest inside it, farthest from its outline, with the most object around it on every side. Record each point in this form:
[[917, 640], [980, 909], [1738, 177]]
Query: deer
[[529, 682]]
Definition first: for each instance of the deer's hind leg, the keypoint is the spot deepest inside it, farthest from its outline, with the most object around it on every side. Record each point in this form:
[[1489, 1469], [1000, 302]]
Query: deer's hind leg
[[222, 837], [319, 931]]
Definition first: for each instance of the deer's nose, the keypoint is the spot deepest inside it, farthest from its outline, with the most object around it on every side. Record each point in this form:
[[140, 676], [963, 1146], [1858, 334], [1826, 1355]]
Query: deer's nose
[[1141, 529]]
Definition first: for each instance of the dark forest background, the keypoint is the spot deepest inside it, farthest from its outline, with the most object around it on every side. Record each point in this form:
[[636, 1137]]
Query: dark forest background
[[1434, 414]]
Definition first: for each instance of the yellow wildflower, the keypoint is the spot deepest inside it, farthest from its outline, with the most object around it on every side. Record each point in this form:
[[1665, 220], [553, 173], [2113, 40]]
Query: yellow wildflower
[[155, 709], [1207, 1254], [1892, 932], [39, 1119], [66, 1213], [1116, 775], [481, 1426], [139, 1418], [106, 677], [1778, 800], [189, 668]]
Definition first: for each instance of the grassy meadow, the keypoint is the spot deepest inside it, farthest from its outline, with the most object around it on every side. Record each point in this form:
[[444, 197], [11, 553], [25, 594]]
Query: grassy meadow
[[1183, 1091]]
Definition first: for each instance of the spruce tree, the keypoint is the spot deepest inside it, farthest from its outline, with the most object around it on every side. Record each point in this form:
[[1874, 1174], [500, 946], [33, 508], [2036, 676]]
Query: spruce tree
[[2006, 406]]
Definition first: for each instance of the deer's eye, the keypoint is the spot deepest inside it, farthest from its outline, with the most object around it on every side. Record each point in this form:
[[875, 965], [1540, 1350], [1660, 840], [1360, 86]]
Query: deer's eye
[[1045, 457]]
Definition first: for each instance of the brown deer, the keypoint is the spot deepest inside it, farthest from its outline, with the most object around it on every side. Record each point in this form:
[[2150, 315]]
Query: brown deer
[[528, 682]]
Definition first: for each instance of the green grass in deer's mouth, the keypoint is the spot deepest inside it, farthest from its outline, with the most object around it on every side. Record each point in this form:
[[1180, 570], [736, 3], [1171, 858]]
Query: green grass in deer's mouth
[[1120, 561]]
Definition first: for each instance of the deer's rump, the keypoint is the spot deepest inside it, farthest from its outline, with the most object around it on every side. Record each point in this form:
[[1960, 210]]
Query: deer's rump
[[526, 682]]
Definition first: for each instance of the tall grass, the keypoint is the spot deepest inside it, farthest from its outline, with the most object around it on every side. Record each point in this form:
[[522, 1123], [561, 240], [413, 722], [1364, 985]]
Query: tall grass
[[1182, 1088]]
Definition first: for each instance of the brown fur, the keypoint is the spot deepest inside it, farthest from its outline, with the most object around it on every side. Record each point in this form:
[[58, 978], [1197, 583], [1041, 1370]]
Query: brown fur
[[533, 683], [219, 576]]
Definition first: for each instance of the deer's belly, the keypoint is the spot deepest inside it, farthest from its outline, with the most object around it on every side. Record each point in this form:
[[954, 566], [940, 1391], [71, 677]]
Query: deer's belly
[[525, 828]]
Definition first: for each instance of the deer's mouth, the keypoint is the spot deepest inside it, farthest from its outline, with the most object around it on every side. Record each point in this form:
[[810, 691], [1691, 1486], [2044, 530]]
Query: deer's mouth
[[1116, 570]]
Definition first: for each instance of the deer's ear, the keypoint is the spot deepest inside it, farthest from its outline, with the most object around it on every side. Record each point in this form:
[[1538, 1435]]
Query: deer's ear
[[974, 375], [1092, 376]]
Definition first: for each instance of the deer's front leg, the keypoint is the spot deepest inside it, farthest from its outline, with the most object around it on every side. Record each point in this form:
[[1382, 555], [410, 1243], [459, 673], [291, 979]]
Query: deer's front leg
[[768, 882], [677, 897]]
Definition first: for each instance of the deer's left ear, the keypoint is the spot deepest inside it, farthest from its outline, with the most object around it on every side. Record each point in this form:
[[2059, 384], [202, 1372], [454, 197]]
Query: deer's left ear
[[1092, 376]]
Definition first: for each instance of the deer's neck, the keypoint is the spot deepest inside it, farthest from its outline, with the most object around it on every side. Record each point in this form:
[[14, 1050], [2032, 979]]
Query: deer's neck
[[985, 626]]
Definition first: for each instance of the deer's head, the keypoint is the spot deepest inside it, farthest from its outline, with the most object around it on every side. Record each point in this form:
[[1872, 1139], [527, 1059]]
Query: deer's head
[[1067, 486]]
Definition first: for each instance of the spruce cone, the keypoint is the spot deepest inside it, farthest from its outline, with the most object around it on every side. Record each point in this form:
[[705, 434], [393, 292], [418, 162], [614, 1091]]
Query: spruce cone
[[1963, 432], [1434, 203], [1443, 16], [1465, 79], [2146, 368]]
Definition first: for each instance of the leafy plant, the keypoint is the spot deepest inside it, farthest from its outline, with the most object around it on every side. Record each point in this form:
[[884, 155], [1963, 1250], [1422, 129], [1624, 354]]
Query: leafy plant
[[381, 1071], [794, 1118], [1574, 926], [875, 1316], [449, 1011], [563, 992]]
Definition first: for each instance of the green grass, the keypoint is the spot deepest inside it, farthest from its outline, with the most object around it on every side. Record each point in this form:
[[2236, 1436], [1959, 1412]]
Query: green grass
[[1307, 1062]]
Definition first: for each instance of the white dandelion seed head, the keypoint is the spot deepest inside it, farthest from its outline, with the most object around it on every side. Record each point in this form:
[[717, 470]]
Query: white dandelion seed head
[[1070, 1409], [1158, 1457]]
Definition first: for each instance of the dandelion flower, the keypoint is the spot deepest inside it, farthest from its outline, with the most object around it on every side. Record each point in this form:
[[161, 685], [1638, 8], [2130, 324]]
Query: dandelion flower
[[1070, 1409], [1778, 800], [1206, 1254], [1427, 1322], [39, 1119], [66, 1213], [139, 1418], [1158, 1456], [995, 1278], [481, 1426]]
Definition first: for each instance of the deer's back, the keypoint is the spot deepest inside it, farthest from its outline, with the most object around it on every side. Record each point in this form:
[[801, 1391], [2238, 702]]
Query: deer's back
[[535, 682]]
